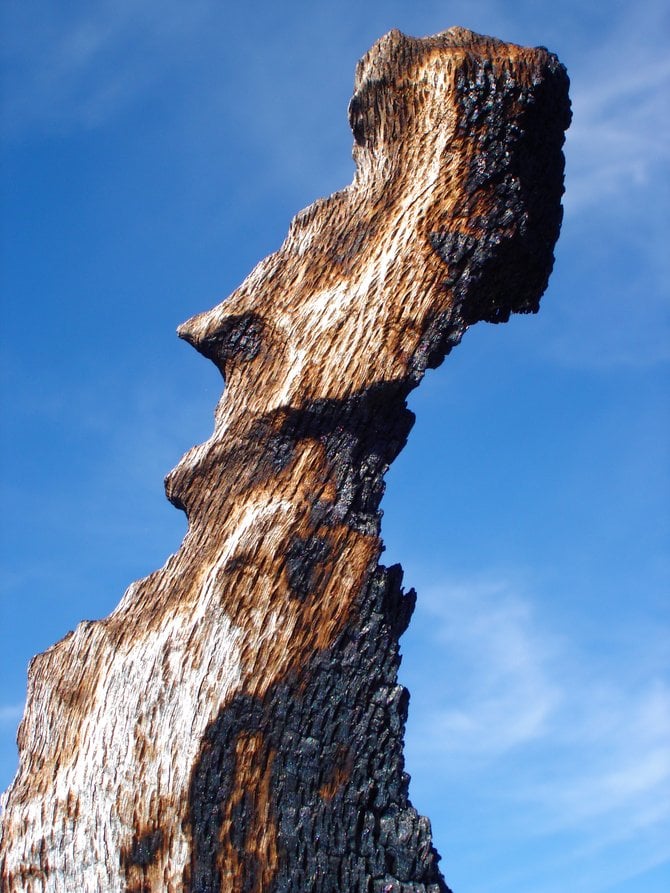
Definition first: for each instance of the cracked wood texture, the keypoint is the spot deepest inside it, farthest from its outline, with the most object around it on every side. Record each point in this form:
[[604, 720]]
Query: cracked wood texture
[[236, 723]]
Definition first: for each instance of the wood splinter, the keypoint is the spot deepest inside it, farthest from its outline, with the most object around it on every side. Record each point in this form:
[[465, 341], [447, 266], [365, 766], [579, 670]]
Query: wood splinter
[[236, 723]]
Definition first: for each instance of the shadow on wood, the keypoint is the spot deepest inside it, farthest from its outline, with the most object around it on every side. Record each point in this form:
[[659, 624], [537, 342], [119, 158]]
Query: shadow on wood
[[236, 723]]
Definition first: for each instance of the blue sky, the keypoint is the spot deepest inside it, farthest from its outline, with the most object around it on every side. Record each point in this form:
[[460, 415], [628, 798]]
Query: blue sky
[[152, 154]]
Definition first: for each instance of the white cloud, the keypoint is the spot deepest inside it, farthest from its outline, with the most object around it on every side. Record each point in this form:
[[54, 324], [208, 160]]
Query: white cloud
[[568, 745], [499, 693], [619, 141], [76, 68], [617, 184]]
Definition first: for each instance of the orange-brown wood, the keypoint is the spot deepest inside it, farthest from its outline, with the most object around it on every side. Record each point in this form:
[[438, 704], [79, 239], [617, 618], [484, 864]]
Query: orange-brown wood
[[236, 724]]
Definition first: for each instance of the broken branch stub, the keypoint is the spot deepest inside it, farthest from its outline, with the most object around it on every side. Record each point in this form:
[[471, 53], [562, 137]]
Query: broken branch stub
[[236, 723]]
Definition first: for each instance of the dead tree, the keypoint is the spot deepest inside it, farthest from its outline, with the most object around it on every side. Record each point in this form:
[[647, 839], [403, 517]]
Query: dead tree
[[236, 723]]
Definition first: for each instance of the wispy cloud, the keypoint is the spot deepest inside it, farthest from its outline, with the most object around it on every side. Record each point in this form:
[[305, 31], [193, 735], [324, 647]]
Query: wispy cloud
[[619, 142], [620, 138], [73, 68], [500, 694], [617, 187], [564, 742]]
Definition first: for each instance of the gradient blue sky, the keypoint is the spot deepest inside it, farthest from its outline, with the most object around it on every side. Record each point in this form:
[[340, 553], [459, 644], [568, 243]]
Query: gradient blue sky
[[152, 153]]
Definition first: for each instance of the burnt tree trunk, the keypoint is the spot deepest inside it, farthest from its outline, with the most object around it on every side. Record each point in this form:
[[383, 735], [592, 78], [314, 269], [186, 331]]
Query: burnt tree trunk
[[236, 723]]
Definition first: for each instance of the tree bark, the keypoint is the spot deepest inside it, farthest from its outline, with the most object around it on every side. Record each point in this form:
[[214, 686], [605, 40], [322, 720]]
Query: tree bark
[[236, 723]]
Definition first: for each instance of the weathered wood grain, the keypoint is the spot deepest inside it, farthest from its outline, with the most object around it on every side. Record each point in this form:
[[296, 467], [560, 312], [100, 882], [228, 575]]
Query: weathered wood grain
[[236, 723]]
